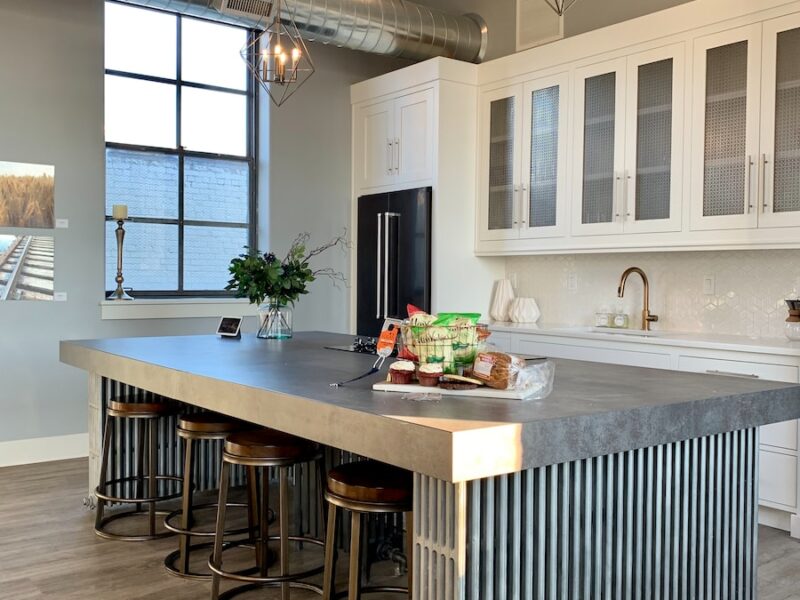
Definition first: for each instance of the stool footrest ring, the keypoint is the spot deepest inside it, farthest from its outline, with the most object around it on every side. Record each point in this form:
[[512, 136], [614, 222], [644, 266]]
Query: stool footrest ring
[[103, 495], [194, 533], [101, 532], [172, 558], [302, 585], [269, 580]]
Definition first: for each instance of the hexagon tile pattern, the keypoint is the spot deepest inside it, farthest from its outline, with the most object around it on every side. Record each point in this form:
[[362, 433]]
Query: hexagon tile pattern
[[748, 299]]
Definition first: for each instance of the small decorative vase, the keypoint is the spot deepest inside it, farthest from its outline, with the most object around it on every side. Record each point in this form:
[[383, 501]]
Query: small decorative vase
[[275, 320]]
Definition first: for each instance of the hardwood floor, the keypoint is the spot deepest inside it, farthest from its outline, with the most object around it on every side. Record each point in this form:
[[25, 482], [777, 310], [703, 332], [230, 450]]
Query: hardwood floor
[[48, 548]]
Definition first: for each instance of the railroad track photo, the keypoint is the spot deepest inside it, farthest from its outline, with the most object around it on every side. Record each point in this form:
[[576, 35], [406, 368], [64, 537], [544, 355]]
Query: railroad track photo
[[26, 267]]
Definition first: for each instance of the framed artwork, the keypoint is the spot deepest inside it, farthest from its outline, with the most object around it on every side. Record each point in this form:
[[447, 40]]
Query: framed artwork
[[27, 195]]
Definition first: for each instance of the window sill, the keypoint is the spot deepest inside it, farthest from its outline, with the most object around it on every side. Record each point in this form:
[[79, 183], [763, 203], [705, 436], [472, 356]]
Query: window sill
[[175, 308]]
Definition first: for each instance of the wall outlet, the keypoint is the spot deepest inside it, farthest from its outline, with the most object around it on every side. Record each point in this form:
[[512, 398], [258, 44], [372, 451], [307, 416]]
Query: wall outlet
[[709, 285], [572, 281], [60, 296], [62, 223]]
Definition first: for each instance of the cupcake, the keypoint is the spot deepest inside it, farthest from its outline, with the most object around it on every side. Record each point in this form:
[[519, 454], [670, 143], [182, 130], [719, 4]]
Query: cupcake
[[402, 372], [429, 375]]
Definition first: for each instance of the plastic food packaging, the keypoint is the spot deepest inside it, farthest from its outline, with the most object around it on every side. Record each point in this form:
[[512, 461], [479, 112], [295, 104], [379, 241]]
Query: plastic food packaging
[[503, 371]]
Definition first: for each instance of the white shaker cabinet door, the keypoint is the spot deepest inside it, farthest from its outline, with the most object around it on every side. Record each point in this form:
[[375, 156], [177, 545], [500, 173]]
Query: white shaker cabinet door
[[374, 153], [413, 136]]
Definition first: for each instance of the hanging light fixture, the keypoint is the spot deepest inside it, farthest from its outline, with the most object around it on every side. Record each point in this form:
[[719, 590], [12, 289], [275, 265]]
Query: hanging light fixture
[[560, 6], [279, 58]]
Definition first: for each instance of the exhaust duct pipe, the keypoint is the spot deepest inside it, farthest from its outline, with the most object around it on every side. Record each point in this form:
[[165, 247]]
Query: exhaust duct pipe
[[386, 27]]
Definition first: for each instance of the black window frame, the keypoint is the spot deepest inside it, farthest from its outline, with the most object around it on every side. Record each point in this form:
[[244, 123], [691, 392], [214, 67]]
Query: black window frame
[[251, 92]]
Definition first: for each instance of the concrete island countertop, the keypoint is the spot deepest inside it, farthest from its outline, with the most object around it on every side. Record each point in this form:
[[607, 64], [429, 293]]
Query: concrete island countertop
[[595, 409]]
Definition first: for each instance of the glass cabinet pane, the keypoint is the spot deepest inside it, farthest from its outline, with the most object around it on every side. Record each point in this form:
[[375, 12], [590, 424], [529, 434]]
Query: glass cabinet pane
[[543, 188], [786, 187], [501, 164], [725, 130], [598, 149], [654, 141]]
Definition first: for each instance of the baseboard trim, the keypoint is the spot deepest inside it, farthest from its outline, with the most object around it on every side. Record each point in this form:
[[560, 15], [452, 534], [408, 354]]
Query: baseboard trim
[[36, 450]]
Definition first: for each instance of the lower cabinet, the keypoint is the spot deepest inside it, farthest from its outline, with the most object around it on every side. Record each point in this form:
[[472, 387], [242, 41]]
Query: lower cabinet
[[778, 451]]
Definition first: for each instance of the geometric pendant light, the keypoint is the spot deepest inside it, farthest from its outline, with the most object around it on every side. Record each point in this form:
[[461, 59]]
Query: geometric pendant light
[[560, 6]]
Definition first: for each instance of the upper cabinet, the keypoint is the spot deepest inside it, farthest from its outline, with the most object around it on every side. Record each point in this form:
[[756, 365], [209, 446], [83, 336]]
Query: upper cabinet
[[522, 189], [394, 141], [628, 133]]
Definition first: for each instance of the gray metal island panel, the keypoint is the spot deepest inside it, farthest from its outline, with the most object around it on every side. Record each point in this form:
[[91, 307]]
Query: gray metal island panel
[[594, 409], [624, 483]]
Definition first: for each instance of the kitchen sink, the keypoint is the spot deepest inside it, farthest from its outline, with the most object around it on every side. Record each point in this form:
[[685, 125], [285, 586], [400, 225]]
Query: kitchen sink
[[611, 331]]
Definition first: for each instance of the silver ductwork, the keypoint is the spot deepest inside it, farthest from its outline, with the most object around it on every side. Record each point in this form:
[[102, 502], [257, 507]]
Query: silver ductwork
[[387, 27]]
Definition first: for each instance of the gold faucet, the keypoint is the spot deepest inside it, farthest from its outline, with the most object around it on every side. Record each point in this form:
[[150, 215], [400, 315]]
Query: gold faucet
[[647, 318]]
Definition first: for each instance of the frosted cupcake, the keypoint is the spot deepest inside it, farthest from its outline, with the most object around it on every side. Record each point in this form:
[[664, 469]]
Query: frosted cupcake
[[429, 375], [402, 372]]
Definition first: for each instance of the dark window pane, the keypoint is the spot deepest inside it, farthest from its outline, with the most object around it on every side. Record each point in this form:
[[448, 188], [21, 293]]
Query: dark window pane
[[214, 122], [210, 54], [146, 181], [125, 50], [207, 252], [150, 256], [216, 190], [140, 112]]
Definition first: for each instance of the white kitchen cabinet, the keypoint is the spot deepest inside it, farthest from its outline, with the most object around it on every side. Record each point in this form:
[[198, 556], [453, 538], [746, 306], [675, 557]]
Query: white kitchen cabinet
[[523, 160], [394, 141], [779, 159], [629, 123], [777, 481], [726, 100]]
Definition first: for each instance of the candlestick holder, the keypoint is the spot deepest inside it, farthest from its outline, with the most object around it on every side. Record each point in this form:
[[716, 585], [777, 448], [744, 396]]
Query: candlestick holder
[[119, 293]]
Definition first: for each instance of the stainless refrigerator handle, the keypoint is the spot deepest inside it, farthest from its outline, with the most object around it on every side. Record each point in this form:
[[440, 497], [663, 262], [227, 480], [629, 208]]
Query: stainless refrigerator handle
[[378, 302], [386, 266]]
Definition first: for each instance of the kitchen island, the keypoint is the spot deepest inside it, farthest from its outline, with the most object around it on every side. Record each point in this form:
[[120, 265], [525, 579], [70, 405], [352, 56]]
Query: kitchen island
[[625, 482]]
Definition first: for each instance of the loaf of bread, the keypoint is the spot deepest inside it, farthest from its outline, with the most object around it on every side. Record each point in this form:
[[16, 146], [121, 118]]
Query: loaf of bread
[[498, 370]]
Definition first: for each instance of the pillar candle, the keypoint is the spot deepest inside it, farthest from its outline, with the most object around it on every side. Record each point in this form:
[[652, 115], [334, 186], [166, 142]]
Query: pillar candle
[[119, 212]]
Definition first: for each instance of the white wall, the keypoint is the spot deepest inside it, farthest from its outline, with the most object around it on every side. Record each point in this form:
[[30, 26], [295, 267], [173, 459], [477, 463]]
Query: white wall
[[306, 174]]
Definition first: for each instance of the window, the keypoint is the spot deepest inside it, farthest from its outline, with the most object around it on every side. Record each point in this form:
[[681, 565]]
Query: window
[[180, 112]]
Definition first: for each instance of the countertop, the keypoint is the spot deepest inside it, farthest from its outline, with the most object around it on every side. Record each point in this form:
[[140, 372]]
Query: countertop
[[711, 341], [595, 409]]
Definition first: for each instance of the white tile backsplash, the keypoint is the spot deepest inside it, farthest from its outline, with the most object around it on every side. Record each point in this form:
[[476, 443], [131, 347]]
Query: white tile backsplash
[[749, 288]]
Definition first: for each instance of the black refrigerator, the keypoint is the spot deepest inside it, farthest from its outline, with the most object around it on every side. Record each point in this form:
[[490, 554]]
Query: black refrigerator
[[394, 256]]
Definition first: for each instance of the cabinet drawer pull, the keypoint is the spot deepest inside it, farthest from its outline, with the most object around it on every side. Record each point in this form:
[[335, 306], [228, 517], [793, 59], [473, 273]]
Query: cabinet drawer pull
[[732, 374]]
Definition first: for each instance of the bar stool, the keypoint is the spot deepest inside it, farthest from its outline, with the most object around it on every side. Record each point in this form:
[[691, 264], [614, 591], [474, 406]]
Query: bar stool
[[194, 429], [261, 449], [147, 414], [365, 487]]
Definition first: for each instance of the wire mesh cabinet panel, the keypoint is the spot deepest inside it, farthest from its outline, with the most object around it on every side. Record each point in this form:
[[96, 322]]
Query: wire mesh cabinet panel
[[654, 141], [600, 148], [725, 129], [501, 146], [543, 209], [779, 160]]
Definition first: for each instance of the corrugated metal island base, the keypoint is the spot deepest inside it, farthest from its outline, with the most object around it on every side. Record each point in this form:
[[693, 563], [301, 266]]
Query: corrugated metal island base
[[624, 483]]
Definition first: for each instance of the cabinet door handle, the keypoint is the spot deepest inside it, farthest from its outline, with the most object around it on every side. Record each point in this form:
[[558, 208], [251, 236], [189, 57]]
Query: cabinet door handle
[[378, 253], [628, 182], [523, 207], [732, 374], [389, 156], [397, 151], [615, 196], [765, 203], [748, 184], [515, 205]]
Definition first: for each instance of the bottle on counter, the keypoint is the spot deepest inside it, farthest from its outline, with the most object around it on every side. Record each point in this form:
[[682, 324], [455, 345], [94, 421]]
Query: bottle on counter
[[603, 317], [621, 320]]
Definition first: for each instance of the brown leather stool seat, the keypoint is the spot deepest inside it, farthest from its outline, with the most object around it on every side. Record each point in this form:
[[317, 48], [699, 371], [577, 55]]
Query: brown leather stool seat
[[261, 449], [145, 416], [194, 429], [363, 488]]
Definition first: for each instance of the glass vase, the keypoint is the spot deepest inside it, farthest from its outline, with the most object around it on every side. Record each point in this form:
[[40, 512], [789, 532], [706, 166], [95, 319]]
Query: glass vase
[[275, 320]]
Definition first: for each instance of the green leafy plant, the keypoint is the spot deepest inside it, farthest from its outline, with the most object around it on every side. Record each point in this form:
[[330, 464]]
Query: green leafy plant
[[258, 276]]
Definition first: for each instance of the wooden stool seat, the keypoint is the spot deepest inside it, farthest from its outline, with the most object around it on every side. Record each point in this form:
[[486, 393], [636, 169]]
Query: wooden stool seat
[[131, 410], [210, 423], [268, 444], [372, 481]]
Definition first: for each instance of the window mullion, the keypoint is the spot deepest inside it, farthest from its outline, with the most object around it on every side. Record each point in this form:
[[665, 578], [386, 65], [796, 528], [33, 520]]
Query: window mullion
[[179, 139]]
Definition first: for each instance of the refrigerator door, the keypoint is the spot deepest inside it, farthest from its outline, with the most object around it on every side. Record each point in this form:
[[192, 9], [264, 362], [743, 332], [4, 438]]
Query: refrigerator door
[[371, 264], [408, 224]]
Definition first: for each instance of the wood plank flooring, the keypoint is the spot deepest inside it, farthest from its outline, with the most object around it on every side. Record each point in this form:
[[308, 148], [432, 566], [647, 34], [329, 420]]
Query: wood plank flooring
[[48, 548]]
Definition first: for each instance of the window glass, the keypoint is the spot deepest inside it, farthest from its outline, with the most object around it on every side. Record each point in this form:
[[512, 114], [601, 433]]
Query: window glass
[[214, 122], [150, 259], [146, 181], [140, 112], [211, 54], [126, 27], [207, 253], [216, 190]]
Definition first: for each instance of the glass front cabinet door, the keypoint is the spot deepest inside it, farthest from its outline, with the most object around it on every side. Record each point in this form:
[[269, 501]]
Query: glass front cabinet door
[[629, 118], [523, 162], [725, 129]]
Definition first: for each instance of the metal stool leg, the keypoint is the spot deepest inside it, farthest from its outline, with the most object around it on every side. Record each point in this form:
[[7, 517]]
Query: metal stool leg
[[141, 451], [152, 459], [98, 517], [186, 516], [252, 510], [216, 557], [284, 519], [263, 521], [355, 558], [410, 551], [329, 582]]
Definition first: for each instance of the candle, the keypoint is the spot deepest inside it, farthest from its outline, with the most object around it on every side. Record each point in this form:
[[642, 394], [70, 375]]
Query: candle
[[119, 212], [264, 65]]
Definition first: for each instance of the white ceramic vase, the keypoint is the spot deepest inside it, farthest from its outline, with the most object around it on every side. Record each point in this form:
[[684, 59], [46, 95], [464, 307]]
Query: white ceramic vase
[[501, 301], [524, 310]]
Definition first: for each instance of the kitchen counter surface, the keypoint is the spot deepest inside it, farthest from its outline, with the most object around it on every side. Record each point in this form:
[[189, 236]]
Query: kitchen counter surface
[[711, 341], [595, 409]]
